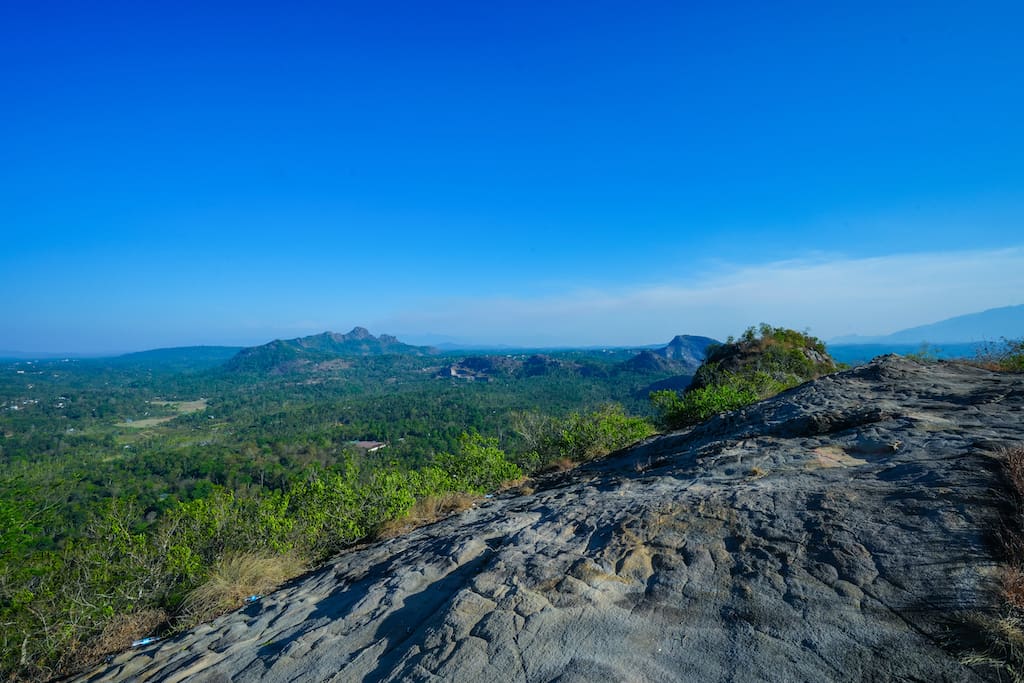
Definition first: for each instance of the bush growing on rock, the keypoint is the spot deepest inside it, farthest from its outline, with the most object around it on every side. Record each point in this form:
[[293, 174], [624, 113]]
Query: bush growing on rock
[[479, 466], [580, 436], [763, 362], [1005, 356]]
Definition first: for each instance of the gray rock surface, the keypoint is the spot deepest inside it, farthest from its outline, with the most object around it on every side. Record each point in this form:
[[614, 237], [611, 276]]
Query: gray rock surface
[[830, 533]]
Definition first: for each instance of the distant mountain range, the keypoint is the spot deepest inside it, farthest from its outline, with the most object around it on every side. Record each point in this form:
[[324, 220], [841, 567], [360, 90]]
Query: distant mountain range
[[317, 350], [990, 325], [679, 358], [958, 336]]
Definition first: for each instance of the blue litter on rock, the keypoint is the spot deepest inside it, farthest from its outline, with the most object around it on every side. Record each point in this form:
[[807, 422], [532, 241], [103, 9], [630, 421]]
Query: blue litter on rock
[[144, 641], [253, 598]]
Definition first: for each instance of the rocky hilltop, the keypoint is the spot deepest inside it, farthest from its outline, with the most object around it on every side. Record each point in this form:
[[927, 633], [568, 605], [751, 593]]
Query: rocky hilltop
[[319, 351], [687, 349], [838, 531]]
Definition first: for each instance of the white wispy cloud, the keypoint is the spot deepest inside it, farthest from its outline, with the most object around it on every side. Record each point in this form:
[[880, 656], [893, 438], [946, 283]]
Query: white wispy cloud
[[830, 295]]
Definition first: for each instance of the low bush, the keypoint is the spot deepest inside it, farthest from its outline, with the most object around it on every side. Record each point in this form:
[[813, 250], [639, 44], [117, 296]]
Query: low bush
[[763, 362], [700, 404], [426, 511], [579, 436], [479, 466], [1004, 356]]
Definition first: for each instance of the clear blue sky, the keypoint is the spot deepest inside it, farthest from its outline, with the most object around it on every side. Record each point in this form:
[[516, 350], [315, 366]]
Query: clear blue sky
[[530, 172]]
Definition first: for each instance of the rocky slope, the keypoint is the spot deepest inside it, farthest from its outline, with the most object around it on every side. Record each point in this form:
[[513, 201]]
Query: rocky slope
[[833, 532]]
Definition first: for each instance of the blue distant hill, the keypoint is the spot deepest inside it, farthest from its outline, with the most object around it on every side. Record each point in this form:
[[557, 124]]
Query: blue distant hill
[[959, 337], [855, 354], [991, 325]]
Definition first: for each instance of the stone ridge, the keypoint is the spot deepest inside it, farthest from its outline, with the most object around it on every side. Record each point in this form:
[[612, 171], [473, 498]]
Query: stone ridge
[[829, 533]]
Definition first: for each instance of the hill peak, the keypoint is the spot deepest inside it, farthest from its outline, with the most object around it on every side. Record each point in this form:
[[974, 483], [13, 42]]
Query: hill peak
[[314, 351], [358, 333]]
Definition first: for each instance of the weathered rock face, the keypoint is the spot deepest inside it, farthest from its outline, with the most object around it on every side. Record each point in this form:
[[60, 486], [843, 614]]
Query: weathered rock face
[[830, 533]]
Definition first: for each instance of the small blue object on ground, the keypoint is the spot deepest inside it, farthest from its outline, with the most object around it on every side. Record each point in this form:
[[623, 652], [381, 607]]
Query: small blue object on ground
[[144, 641]]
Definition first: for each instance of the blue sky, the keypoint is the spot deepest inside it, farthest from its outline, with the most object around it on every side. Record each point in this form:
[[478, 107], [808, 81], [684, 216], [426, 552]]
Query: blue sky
[[523, 173]]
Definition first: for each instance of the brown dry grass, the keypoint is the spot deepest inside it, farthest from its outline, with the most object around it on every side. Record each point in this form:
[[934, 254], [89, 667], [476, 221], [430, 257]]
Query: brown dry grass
[[235, 578], [560, 465], [1013, 532], [1013, 465], [117, 636], [1000, 636], [427, 510], [1013, 587], [513, 484]]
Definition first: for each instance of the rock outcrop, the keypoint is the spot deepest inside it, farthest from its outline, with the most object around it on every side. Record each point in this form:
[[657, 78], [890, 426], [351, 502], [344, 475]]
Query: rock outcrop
[[834, 532], [687, 349], [784, 356]]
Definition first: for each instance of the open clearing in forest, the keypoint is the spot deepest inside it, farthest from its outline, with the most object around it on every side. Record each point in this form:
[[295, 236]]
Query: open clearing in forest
[[183, 407]]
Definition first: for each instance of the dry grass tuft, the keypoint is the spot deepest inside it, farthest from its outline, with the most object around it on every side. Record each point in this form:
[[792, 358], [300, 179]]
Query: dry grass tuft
[[427, 510], [1000, 636], [1013, 587], [1002, 644], [118, 635], [513, 484], [560, 465], [235, 578], [524, 486], [1013, 464]]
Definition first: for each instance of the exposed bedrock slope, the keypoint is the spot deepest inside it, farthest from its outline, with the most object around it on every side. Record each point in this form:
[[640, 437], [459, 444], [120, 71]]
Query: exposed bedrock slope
[[829, 533]]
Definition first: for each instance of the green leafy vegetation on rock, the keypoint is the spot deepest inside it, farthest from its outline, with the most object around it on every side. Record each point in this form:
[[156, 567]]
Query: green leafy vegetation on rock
[[580, 436], [761, 363], [1005, 356]]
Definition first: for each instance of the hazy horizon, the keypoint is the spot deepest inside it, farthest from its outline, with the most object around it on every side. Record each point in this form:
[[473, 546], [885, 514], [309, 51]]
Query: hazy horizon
[[529, 175], [433, 339]]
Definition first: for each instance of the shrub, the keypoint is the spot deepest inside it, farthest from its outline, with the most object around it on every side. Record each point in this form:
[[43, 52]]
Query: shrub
[[480, 465], [388, 496], [698, 405], [579, 436], [763, 362], [326, 511], [1005, 356], [426, 510]]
